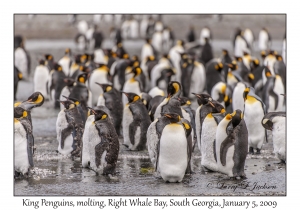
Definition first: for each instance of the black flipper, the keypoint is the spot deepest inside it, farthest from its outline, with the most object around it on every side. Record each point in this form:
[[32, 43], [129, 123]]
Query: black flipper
[[228, 142], [30, 148], [214, 147], [99, 149], [132, 129], [189, 152], [64, 134]]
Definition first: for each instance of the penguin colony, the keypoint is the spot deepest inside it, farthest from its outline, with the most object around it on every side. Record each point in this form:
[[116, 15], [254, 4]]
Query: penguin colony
[[146, 101]]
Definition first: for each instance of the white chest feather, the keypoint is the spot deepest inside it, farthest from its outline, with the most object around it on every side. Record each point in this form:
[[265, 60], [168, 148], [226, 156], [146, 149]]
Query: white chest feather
[[101, 100], [159, 108], [173, 157], [152, 141], [253, 114], [94, 140], [21, 163], [237, 97], [65, 64], [208, 136], [61, 124], [64, 92], [99, 76], [40, 79], [221, 135], [85, 141], [127, 120], [278, 135]]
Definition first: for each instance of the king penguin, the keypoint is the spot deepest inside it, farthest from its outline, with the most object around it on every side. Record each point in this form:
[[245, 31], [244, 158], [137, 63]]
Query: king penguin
[[170, 146], [99, 75], [132, 85], [23, 142], [135, 122], [276, 123], [69, 84], [64, 130], [269, 97], [40, 78], [56, 84], [66, 62], [232, 145], [85, 160], [254, 111], [81, 92], [112, 99], [103, 144], [209, 121]]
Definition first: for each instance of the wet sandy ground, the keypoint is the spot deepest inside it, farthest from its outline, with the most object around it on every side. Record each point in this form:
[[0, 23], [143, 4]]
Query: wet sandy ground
[[55, 174]]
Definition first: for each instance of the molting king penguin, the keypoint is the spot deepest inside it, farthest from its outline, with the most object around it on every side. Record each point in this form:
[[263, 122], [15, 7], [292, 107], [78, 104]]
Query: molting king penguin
[[85, 161], [56, 84], [174, 91], [254, 111], [170, 146], [103, 144], [69, 84], [81, 92], [23, 142], [132, 85], [276, 123], [135, 122], [232, 145], [201, 99], [112, 99]]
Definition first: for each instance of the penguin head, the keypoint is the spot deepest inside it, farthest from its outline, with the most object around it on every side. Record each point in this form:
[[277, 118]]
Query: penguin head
[[263, 54], [217, 107], [279, 57], [74, 100], [68, 104], [83, 58], [49, 57], [268, 72], [202, 98], [174, 89], [173, 117], [219, 66], [255, 62], [132, 97], [20, 112], [233, 65], [148, 40], [42, 62], [267, 124], [247, 91], [125, 56], [237, 116], [184, 101], [105, 87], [57, 67], [180, 42], [67, 51], [82, 78], [150, 58], [35, 100], [99, 114], [224, 52], [136, 71]]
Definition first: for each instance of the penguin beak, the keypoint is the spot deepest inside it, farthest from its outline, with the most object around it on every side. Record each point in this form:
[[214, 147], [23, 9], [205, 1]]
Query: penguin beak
[[61, 102], [65, 97], [197, 95], [211, 104], [125, 93], [167, 115], [99, 84], [94, 112]]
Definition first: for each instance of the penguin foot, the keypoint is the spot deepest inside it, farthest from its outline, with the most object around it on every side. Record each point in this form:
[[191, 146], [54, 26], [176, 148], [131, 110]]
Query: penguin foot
[[251, 151], [257, 151]]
